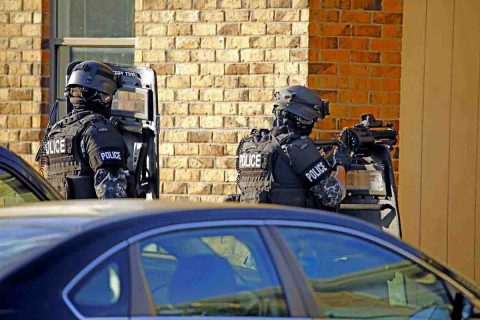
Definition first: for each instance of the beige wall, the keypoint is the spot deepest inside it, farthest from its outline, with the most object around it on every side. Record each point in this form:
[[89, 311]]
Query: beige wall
[[439, 138]]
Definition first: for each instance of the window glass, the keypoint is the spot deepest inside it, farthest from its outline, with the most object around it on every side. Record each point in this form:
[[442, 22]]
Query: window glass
[[14, 191], [93, 18], [104, 291], [354, 278], [211, 272]]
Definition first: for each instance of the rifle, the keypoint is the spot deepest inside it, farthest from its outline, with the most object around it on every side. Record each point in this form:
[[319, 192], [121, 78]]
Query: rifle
[[52, 118]]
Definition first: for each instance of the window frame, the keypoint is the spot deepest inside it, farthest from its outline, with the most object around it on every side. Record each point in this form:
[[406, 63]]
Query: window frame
[[69, 42]]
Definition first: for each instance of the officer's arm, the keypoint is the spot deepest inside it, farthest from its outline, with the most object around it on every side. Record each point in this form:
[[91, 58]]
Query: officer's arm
[[105, 152]]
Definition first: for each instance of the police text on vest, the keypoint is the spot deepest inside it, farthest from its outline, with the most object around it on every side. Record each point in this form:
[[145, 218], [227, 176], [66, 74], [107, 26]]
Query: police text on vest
[[316, 172], [55, 146], [250, 160], [111, 155]]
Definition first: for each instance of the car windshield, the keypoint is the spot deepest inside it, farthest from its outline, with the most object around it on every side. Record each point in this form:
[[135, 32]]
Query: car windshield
[[24, 238]]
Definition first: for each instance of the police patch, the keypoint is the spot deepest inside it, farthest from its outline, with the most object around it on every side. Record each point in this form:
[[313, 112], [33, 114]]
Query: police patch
[[110, 155], [250, 161], [317, 172], [56, 146]]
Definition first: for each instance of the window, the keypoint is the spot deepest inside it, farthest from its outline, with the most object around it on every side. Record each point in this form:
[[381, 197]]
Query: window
[[211, 272], [354, 278], [90, 30], [104, 291], [13, 191]]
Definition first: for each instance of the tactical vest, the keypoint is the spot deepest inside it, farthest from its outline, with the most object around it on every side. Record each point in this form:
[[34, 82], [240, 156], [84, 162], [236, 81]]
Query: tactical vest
[[254, 166], [61, 149]]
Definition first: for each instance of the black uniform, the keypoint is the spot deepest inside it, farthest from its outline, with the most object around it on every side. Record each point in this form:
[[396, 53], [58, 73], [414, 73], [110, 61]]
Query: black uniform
[[86, 157], [285, 169]]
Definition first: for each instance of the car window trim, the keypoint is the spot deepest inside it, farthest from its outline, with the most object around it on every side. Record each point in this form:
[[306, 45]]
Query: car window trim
[[299, 276], [386, 244], [79, 276], [31, 186], [297, 307]]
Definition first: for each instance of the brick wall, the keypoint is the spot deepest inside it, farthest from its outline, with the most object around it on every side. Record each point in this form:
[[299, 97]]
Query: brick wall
[[354, 59], [217, 64], [24, 70]]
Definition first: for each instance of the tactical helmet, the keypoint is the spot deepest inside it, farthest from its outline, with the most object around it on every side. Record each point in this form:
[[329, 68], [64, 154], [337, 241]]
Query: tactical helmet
[[302, 102], [93, 75]]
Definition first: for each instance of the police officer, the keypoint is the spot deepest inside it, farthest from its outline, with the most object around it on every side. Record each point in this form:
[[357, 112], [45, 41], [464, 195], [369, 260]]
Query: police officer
[[85, 154], [282, 165]]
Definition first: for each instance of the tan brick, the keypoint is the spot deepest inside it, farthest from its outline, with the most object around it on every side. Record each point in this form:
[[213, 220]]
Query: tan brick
[[4, 17], [230, 4], [262, 42], [287, 68], [227, 55], [21, 17], [9, 108], [260, 122], [199, 188], [30, 81], [211, 95], [176, 162], [166, 95], [186, 122], [38, 17], [249, 81], [180, 109], [204, 4], [10, 81], [20, 94], [225, 108], [236, 95], [4, 94], [12, 30], [253, 28], [179, 29], [237, 68], [203, 56], [212, 175], [19, 121], [229, 29], [163, 68], [279, 3], [237, 15], [178, 56], [166, 149], [228, 81], [187, 69], [202, 81], [187, 16], [261, 95], [199, 136], [255, 4], [175, 188], [201, 108], [176, 136], [287, 15], [211, 69], [262, 15], [162, 42], [3, 122], [179, 4], [251, 55], [186, 149], [154, 29], [287, 41], [277, 55], [154, 56], [276, 80], [213, 43], [204, 29], [299, 3], [154, 4], [225, 162], [20, 147], [167, 174], [281, 28], [211, 149], [299, 55], [235, 122], [300, 28], [27, 135], [211, 122], [187, 175], [237, 42], [162, 16], [187, 42], [200, 162], [231, 149], [225, 137], [39, 121], [250, 109], [231, 175], [187, 95], [212, 16], [10, 5]]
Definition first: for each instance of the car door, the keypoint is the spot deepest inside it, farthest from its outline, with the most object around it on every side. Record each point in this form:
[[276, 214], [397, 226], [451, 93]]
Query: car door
[[357, 276], [211, 269]]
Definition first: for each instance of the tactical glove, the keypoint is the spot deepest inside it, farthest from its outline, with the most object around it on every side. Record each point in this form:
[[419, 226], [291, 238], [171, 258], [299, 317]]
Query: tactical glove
[[341, 157]]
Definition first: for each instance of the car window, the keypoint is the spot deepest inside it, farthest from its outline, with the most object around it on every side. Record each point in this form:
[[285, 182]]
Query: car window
[[355, 278], [211, 272], [104, 291], [13, 191]]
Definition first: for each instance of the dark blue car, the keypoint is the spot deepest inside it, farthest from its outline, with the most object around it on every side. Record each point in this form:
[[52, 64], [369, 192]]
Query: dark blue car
[[129, 259]]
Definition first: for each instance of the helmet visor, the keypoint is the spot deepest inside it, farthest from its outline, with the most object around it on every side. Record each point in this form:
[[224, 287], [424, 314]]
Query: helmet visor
[[89, 94]]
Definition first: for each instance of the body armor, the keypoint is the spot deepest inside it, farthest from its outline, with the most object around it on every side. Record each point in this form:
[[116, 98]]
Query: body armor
[[279, 169], [65, 166]]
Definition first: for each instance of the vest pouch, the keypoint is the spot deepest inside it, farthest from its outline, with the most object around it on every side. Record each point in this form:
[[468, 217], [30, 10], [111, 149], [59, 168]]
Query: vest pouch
[[80, 187], [288, 196]]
